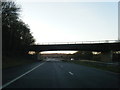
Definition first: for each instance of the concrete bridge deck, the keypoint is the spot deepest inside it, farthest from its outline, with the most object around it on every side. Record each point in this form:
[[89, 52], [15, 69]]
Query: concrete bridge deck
[[108, 46]]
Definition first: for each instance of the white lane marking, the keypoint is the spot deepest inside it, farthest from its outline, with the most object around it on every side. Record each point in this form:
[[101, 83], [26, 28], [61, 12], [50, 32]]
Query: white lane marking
[[71, 73], [5, 85]]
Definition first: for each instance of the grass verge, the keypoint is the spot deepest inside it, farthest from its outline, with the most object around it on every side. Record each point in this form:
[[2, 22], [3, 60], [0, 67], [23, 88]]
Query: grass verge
[[115, 69], [15, 61]]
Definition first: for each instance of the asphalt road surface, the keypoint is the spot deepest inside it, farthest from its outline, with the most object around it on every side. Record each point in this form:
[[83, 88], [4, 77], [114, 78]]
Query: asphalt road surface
[[53, 73]]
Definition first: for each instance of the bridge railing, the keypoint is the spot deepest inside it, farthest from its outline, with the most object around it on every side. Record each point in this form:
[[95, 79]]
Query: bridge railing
[[81, 42]]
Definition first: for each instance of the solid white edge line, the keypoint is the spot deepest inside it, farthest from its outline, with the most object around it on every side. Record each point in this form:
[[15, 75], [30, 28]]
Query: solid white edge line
[[5, 85]]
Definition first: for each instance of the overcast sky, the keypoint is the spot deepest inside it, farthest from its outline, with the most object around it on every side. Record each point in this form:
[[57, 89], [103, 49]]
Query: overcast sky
[[67, 21]]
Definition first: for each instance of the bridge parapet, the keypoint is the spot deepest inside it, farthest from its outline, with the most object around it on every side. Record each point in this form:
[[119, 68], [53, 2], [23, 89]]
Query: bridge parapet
[[81, 42], [113, 45]]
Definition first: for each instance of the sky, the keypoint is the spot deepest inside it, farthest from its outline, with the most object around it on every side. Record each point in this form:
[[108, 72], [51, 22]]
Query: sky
[[68, 21]]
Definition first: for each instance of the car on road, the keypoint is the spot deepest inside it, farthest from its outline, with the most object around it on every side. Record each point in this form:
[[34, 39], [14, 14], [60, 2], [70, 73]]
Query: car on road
[[72, 59]]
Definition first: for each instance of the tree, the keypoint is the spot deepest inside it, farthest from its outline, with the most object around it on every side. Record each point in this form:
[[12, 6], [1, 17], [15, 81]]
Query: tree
[[16, 35], [9, 17], [83, 55]]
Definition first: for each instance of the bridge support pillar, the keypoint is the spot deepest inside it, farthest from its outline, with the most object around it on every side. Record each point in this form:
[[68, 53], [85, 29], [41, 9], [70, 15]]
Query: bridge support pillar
[[37, 56], [107, 56]]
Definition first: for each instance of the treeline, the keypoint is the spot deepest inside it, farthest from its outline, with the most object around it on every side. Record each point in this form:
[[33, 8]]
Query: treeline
[[83, 55], [88, 55], [16, 35]]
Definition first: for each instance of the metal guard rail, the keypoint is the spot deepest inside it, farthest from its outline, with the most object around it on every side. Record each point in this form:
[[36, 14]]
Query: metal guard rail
[[81, 42]]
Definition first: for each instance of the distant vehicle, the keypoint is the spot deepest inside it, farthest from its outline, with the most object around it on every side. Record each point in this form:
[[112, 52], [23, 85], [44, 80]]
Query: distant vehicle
[[47, 60], [72, 59]]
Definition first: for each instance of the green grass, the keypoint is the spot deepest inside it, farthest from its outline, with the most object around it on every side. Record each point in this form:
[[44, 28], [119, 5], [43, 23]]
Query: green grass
[[115, 69], [16, 61]]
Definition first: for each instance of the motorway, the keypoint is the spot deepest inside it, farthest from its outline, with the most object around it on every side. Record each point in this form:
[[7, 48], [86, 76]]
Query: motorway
[[54, 73]]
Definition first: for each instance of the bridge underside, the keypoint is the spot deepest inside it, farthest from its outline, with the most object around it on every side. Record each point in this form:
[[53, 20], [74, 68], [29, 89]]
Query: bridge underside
[[99, 47], [105, 48]]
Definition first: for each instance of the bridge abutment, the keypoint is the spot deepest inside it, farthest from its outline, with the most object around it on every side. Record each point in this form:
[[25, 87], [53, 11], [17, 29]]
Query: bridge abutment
[[37, 56], [107, 56]]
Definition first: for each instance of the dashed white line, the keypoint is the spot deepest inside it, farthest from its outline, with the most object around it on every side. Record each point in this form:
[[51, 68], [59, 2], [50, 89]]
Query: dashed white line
[[71, 73], [5, 85]]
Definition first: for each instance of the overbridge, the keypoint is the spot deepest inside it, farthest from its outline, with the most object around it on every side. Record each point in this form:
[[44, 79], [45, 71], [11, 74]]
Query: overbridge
[[106, 47]]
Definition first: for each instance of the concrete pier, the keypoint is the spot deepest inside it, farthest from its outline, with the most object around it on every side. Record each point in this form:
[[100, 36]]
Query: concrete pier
[[107, 56]]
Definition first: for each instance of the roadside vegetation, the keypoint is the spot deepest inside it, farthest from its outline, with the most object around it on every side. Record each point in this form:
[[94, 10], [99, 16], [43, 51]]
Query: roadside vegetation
[[98, 65], [16, 35], [90, 59], [9, 62], [96, 56]]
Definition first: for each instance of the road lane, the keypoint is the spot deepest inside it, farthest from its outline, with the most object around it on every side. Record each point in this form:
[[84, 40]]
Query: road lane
[[17, 78], [58, 74], [48, 75], [92, 77], [9, 74]]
